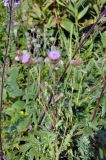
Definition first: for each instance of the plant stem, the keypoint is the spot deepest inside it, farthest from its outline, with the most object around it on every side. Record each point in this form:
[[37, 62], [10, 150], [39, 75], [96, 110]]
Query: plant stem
[[99, 100], [3, 73]]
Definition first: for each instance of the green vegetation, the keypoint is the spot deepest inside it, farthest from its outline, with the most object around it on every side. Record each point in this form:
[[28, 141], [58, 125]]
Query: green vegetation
[[74, 106]]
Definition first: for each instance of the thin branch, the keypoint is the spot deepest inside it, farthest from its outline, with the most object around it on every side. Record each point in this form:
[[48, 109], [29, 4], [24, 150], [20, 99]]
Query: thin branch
[[43, 114], [99, 100], [3, 73]]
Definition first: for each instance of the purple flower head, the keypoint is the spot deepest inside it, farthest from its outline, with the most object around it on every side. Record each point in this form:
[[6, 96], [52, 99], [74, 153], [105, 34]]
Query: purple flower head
[[105, 11], [54, 55], [6, 2], [25, 57], [16, 2]]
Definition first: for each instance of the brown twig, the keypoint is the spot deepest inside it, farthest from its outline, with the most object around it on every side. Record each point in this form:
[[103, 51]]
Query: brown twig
[[3, 73], [99, 100], [42, 116]]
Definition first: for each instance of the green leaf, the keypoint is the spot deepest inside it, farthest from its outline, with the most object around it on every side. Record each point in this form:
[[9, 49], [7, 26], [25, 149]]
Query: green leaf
[[51, 22], [37, 10], [104, 106], [83, 12], [47, 4], [59, 2], [66, 24], [18, 105], [24, 148], [22, 126], [12, 85], [103, 39], [31, 154]]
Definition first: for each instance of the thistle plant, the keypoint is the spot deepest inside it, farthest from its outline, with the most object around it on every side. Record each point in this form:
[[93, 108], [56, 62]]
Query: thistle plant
[[68, 64], [52, 102]]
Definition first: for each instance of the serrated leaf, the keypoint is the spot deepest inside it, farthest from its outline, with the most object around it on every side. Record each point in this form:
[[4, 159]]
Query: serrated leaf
[[31, 154], [24, 148]]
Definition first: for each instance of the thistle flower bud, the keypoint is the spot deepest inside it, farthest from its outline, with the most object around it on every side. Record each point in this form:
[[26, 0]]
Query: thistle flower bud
[[47, 60], [76, 62]]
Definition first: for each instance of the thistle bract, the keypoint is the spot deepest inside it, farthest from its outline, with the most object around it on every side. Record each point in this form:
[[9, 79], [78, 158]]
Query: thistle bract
[[25, 57], [22, 56], [76, 62]]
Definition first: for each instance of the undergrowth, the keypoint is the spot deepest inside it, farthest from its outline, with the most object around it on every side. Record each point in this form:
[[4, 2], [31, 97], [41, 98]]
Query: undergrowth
[[69, 91]]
